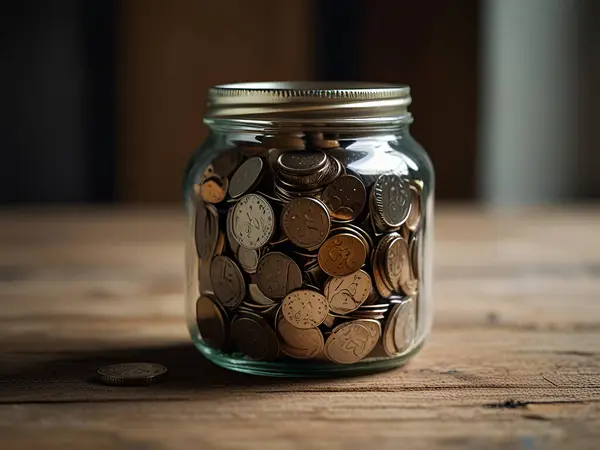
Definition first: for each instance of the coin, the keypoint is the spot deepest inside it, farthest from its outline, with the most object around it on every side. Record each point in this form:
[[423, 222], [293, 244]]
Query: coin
[[305, 221], [214, 189], [342, 254], [349, 342], [253, 221], [220, 244], [233, 243], [227, 281], [345, 294], [414, 255], [296, 342], [345, 198], [304, 308], [248, 259], [132, 374], [252, 336], [397, 262], [206, 229], [392, 199], [246, 177], [258, 297], [404, 326], [414, 217], [210, 321], [301, 162], [278, 275]]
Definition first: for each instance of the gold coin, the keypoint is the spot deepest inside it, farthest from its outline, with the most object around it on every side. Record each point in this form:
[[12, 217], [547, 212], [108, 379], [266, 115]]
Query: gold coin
[[132, 374], [214, 189], [392, 199], [206, 228], [345, 198], [296, 342], [342, 254], [414, 217], [248, 259], [253, 221], [246, 177], [278, 275], [304, 308], [302, 162], [227, 282], [305, 221], [211, 322], [349, 342], [252, 336], [346, 294]]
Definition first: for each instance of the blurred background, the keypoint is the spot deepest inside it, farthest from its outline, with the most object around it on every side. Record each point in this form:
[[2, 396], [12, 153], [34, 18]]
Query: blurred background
[[102, 100]]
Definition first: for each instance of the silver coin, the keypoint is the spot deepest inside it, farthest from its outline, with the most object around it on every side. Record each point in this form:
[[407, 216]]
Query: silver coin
[[392, 198], [301, 162], [253, 221], [246, 177]]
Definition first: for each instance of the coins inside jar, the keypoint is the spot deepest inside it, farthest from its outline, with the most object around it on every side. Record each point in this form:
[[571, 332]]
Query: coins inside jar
[[305, 221], [278, 274], [253, 221]]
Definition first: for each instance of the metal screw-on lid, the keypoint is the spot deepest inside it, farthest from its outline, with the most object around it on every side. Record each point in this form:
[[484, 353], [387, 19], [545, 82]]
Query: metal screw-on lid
[[323, 102]]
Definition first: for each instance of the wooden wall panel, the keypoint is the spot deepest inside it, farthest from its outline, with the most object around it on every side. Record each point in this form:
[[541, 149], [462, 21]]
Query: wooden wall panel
[[171, 52]]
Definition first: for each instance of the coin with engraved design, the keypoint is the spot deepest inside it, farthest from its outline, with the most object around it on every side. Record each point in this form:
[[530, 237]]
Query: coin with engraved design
[[253, 221], [306, 222], [227, 282], [342, 254], [346, 294], [345, 198], [278, 275], [304, 308]]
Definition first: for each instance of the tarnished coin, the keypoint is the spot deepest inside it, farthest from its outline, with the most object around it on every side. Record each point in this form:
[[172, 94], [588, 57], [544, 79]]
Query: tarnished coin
[[214, 189], [304, 308], [206, 230], [246, 177], [278, 275], [397, 262], [132, 374], [345, 198], [248, 259], [392, 199], [253, 221], [346, 294], [349, 342], [301, 162], [258, 297], [342, 254], [400, 328], [227, 282], [296, 342], [305, 221], [233, 243], [254, 337], [211, 322], [414, 217]]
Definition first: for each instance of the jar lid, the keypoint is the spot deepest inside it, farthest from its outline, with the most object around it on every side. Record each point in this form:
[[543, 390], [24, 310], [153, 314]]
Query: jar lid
[[322, 102]]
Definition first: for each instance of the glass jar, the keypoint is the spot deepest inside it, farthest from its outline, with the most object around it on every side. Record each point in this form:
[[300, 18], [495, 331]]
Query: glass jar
[[309, 242]]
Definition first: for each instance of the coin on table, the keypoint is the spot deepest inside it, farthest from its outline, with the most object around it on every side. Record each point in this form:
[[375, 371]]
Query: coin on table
[[346, 294], [227, 282], [404, 326], [305, 221], [246, 177], [206, 230], [345, 198], [349, 342], [301, 162], [248, 259], [278, 275], [397, 262], [296, 342], [253, 221], [342, 254], [258, 297], [252, 336], [414, 217], [132, 374], [214, 189], [392, 199], [210, 319], [304, 308]]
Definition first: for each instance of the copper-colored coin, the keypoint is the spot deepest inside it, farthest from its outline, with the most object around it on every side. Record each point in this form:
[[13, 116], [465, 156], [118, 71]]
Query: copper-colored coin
[[346, 294], [252, 336], [302, 162], [397, 266], [211, 322], [253, 221], [246, 177], [392, 199], [206, 230], [414, 217], [278, 275], [349, 342], [305, 221], [248, 259], [304, 308], [296, 342], [342, 254], [345, 198], [227, 282], [214, 189]]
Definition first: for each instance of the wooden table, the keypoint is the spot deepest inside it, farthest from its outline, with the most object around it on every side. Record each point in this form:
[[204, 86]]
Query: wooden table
[[513, 362]]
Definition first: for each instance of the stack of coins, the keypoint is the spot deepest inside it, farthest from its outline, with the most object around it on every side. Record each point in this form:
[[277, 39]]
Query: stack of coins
[[301, 258]]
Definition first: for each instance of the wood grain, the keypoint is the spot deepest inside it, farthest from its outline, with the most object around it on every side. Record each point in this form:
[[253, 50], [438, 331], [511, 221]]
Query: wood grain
[[513, 362]]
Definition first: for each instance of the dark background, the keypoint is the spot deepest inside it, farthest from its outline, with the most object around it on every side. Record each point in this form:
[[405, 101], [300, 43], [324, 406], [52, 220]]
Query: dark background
[[102, 100]]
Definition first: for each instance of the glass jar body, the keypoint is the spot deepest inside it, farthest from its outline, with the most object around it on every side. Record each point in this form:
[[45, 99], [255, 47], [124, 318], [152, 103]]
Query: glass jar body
[[309, 253]]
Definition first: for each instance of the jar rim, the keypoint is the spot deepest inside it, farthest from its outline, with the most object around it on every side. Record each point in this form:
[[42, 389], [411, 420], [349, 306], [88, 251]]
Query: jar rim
[[323, 101]]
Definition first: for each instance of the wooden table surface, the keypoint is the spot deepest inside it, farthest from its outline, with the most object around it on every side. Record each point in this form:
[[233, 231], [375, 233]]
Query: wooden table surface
[[513, 361]]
